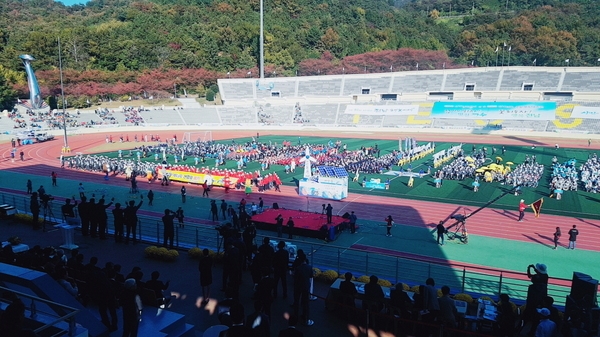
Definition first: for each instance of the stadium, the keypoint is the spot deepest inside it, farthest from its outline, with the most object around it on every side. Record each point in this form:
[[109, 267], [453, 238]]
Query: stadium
[[555, 112]]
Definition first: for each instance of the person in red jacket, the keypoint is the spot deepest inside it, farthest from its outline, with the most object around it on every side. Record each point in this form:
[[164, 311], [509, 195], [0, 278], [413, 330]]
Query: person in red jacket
[[522, 207]]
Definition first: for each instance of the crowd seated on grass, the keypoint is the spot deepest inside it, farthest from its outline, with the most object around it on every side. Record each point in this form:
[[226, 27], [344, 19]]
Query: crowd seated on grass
[[526, 174], [564, 176], [590, 174], [462, 168]]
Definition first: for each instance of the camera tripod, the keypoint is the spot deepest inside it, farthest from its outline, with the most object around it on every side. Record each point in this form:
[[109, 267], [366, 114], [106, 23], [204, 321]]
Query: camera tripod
[[48, 214], [459, 233]]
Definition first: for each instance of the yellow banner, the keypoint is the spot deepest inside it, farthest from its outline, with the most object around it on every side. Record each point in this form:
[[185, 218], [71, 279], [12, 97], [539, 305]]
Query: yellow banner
[[200, 178]]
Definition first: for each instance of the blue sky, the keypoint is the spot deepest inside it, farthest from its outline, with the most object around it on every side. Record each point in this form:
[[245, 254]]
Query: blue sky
[[72, 2]]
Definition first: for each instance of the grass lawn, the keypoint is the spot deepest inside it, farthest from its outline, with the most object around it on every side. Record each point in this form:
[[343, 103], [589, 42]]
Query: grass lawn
[[573, 203]]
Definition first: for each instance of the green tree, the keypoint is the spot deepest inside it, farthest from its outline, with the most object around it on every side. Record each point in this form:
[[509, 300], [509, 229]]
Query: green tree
[[7, 94]]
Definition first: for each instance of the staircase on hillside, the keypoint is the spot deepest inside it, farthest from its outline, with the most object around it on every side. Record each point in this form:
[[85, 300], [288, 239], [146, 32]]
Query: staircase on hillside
[[189, 103]]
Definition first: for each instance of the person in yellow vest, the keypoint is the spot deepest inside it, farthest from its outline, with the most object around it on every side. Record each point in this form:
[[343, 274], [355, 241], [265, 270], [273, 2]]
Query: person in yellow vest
[[411, 181]]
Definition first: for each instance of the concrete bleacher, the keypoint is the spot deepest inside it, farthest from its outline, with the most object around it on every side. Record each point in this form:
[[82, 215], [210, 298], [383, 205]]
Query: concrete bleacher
[[200, 115], [237, 115], [578, 80], [377, 85], [278, 114], [483, 80], [286, 87], [541, 80], [240, 89], [320, 113], [421, 82], [167, 116], [524, 125], [319, 86]]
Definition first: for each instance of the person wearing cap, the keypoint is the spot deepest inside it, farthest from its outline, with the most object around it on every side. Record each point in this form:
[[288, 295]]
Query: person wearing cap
[[541, 273], [546, 328], [536, 292], [522, 207]]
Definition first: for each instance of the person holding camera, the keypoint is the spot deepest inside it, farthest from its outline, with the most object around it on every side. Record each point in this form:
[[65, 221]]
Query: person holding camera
[[169, 230], [34, 207]]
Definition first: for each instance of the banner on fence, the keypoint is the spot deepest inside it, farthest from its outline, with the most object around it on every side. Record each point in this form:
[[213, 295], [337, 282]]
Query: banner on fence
[[542, 111], [396, 110], [586, 112], [199, 178], [311, 188]]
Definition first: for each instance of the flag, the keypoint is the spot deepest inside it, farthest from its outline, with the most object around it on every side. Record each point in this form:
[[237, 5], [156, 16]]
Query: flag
[[567, 60], [391, 67], [510, 48], [598, 60], [534, 61], [497, 48], [504, 44], [537, 207], [473, 63]]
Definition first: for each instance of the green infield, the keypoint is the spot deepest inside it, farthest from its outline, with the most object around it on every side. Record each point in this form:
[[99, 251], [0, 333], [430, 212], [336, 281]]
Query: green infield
[[573, 203]]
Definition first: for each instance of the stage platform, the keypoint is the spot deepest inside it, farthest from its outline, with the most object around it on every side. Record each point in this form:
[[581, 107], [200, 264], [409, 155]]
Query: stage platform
[[306, 223]]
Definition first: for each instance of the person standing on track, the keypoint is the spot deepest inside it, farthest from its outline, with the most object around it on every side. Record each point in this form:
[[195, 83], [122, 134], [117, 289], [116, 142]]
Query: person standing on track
[[179, 215], [224, 209], [573, 232], [556, 237], [150, 196], [81, 191], [389, 223], [441, 230], [522, 207], [352, 219], [205, 189], [54, 176]]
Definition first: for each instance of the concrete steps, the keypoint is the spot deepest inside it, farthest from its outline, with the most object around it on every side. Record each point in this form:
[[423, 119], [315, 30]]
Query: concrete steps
[[189, 103]]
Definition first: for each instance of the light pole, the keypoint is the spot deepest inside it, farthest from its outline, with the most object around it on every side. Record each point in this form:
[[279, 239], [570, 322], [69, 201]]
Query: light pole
[[262, 42], [62, 93]]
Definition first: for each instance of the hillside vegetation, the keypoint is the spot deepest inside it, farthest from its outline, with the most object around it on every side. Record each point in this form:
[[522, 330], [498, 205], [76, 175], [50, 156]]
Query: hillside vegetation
[[125, 41]]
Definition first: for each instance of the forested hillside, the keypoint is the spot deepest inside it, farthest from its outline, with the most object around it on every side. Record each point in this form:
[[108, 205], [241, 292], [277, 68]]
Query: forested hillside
[[122, 40]]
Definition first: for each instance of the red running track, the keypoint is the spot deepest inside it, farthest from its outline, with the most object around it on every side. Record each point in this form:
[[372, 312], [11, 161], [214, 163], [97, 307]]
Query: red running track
[[42, 158]]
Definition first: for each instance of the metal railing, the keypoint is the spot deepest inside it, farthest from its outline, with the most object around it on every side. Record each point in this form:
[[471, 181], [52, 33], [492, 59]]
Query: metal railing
[[412, 271], [49, 309]]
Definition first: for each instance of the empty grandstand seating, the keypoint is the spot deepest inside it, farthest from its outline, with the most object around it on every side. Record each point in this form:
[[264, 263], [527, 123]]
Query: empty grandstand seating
[[541, 80], [237, 115], [320, 86], [320, 114], [283, 87], [200, 115], [376, 85], [413, 83], [237, 89], [483, 80], [581, 81], [167, 116]]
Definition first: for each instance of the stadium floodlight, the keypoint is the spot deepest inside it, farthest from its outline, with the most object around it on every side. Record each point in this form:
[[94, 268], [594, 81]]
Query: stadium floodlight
[[62, 93], [262, 41]]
